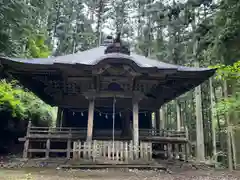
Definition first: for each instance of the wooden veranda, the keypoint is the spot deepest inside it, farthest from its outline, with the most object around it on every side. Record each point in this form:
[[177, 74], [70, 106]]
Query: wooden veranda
[[172, 144]]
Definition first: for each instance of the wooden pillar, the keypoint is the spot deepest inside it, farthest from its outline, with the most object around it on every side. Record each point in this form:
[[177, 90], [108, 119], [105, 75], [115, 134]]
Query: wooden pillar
[[187, 145], [63, 122], [59, 117], [157, 120], [162, 117], [129, 124], [170, 150], [126, 130], [47, 148], [149, 117], [123, 125], [69, 142], [153, 120], [157, 130], [135, 127], [178, 109], [90, 119], [48, 144], [26, 144]]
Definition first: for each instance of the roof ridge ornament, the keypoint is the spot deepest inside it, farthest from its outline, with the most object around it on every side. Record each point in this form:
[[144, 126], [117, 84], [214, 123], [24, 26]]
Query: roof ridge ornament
[[116, 46], [108, 41]]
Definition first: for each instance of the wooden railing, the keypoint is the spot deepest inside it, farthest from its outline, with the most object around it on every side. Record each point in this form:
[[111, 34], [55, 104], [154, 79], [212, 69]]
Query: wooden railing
[[162, 133], [65, 132], [69, 135], [57, 131]]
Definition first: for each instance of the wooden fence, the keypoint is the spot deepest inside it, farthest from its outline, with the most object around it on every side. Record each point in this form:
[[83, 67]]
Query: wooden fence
[[109, 150]]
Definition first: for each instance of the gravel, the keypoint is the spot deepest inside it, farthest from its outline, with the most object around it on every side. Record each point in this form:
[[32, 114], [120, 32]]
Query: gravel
[[123, 174]]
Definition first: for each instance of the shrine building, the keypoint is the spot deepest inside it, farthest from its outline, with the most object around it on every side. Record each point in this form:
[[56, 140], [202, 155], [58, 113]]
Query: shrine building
[[105, 97]]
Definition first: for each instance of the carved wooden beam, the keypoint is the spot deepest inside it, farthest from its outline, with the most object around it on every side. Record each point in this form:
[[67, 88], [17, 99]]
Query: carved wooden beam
[[131, 71], [98, 83], [79, 78], [51, 91], [106, 94], [134, 84], [44, 79], [101, 69]]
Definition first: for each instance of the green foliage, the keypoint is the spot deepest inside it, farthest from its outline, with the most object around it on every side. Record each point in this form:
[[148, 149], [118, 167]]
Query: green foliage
[[36, 46], [10, 99], [23, 104], [13, 18], [224, 33], [232, 74], [226, 72], [230, 104]]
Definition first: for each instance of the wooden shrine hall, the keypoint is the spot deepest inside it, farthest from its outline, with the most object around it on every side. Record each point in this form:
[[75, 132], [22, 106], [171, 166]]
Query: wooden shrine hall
[[105, 98]]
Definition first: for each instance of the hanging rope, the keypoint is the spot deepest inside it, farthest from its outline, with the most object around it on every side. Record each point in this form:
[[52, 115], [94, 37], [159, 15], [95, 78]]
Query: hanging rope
[[106, 114]]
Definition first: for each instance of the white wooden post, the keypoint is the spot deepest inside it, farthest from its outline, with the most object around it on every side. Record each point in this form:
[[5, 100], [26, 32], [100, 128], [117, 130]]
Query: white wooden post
[[135, 128], [90, 119], [162, 118], [157, 120]]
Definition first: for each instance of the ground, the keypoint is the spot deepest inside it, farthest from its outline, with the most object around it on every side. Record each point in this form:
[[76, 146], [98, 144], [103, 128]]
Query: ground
[[47, 174], [12, 168]]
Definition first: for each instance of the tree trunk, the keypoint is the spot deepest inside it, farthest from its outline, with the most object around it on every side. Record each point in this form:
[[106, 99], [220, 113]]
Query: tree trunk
[[99, 21], [227, 123], [218, 122], [178, 109], [199, 123], [233, 142], [213, 113]]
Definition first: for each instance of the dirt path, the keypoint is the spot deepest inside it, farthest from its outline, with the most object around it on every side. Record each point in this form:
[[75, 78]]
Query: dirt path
[[39, 174]]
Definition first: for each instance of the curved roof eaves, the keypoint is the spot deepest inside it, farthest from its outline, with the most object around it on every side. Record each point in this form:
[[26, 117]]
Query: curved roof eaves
[[96, 55]]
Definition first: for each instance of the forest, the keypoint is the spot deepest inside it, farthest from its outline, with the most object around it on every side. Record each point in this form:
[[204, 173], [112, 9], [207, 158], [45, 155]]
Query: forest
[[200, 33]]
